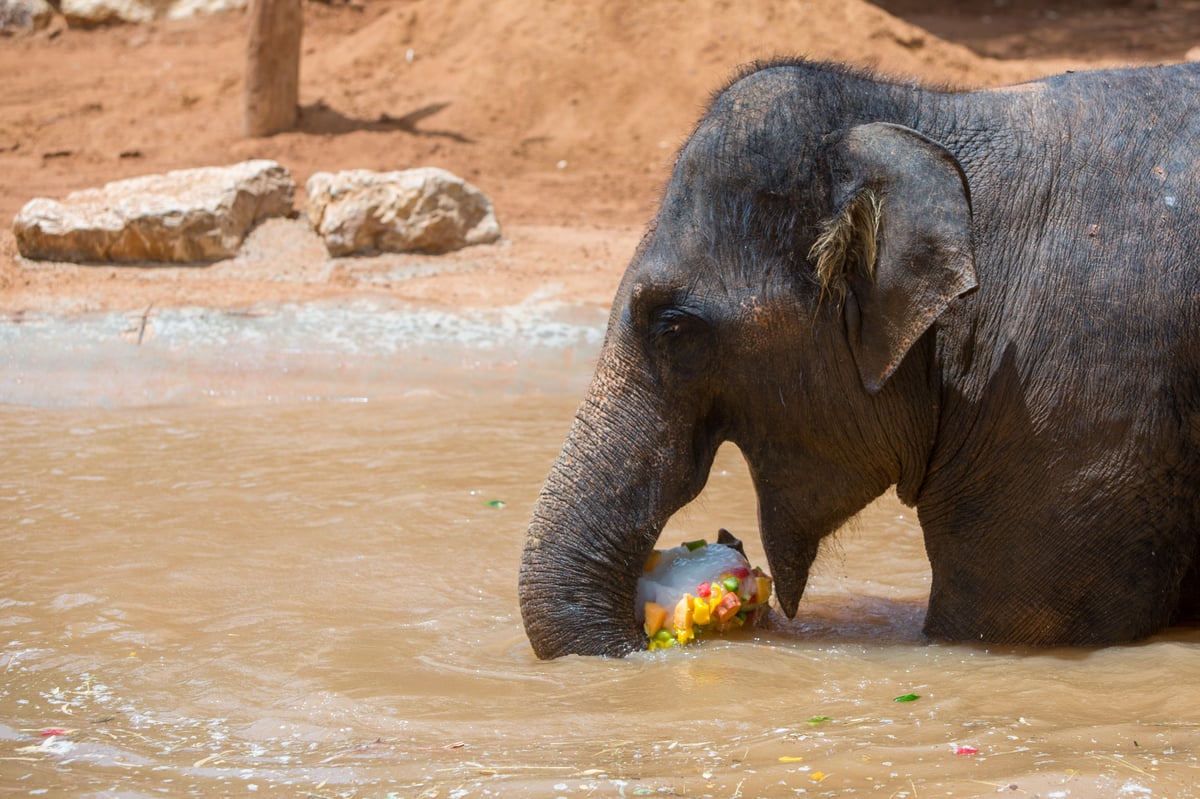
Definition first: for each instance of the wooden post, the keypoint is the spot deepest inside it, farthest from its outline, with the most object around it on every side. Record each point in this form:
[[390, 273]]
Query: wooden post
[[272, 91]]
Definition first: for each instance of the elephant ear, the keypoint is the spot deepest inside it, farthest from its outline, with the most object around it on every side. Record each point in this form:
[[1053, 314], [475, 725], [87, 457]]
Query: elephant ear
[[898, 251]]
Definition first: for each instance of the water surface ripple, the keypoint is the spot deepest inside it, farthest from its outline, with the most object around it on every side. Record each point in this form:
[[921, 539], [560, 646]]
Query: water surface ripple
[[240, 571]]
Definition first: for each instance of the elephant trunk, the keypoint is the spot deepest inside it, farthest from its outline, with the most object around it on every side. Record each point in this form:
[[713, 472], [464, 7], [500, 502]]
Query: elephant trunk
[[576, 594], [621, 474]]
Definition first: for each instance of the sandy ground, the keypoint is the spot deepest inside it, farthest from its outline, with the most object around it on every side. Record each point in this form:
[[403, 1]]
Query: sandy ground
[[566, 113]]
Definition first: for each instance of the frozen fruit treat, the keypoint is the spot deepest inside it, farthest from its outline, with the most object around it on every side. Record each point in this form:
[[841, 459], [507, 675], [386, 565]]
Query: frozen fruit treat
[[699, 589]]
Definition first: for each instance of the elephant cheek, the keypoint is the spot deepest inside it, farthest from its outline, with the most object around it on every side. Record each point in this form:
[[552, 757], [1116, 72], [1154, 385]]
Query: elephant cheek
[[789, 551]]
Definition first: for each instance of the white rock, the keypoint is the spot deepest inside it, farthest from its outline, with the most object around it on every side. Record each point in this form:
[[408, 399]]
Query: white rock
[[91, 13], [182, 9], [22, 16], [183, 216], [414, 210]]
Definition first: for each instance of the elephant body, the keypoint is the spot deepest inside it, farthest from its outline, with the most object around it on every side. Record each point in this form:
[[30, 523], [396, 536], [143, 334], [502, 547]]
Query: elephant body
[[986, 299]]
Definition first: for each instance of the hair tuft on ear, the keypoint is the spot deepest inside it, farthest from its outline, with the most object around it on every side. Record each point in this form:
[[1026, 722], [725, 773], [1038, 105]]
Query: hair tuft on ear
[[849, 239]]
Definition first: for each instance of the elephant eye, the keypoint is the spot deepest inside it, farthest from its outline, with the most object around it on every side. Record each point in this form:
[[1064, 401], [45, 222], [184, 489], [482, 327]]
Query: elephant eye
[[682, 341], [670, 322]]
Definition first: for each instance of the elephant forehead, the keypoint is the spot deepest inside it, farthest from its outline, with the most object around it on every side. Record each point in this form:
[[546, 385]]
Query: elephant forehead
[[745, 281], [728, 227], [758, 134], [738, 156], [745, 255]]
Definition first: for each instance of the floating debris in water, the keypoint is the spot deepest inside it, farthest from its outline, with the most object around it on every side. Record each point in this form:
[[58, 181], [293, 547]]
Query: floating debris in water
[[907, 698]]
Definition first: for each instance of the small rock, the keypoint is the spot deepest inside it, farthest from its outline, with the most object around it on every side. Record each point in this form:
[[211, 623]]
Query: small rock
[[183, 216], [24, 16], [416, 210]]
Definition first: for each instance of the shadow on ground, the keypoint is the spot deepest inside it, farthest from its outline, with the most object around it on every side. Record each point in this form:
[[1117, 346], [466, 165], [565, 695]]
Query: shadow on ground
[[1116, 30], [321, 118]]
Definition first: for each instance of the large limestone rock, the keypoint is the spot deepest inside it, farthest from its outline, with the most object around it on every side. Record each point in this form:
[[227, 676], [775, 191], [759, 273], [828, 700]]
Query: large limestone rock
[[183, 9], [182, 216], [92, 13], [415, 210]]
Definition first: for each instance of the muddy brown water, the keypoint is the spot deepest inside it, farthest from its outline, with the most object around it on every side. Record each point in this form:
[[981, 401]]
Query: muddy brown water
[[270, 554]]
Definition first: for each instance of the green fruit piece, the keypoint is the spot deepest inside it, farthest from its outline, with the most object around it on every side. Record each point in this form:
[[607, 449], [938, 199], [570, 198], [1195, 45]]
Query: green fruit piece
[[731, 584], [692, 546]]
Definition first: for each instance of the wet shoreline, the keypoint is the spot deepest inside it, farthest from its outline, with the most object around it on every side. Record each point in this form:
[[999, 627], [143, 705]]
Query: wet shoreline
[[331, 349]]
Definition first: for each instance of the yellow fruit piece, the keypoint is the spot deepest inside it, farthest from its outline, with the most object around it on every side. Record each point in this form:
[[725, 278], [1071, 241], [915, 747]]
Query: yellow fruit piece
[[701, 614], [762, 590], [683, 619], [656, 617], [714, 598], [727, 608]]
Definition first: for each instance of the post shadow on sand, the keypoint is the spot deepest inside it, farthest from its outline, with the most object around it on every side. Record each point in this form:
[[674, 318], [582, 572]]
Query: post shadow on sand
[[320, 118]]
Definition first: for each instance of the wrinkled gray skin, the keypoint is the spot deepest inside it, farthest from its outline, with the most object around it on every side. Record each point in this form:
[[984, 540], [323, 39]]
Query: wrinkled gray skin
[[1019, 358]]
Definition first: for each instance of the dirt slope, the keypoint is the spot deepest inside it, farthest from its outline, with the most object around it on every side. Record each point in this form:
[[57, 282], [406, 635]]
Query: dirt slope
[[566, 112]]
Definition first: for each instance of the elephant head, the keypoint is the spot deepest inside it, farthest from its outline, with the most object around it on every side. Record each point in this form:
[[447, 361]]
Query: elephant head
[[783, 300]]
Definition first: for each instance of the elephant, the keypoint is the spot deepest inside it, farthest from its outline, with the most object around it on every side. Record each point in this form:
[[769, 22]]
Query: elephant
[[988, 300]]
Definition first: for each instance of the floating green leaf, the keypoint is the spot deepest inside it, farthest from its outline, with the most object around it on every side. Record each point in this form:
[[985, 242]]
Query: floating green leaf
[[907, 698], [815, 720], [496, 503]]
